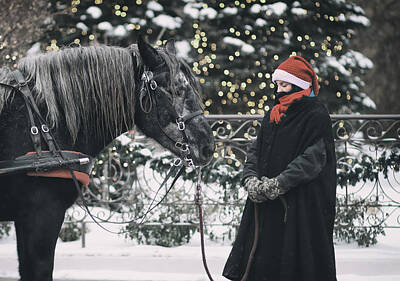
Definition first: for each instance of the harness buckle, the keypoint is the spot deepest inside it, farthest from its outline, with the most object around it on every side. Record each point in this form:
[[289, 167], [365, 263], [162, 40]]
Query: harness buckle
[[147, 76], [185, 147], [45, 129], [34, 130], [181, 124], [177, 162], [153, 85], [189, 162]]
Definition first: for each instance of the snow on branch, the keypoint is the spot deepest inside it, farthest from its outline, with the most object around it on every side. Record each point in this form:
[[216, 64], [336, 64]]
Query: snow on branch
[[246, 48], [168, 21]]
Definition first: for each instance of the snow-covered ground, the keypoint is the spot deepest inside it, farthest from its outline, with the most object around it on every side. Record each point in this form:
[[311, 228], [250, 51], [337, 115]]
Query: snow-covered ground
[[111, 257]]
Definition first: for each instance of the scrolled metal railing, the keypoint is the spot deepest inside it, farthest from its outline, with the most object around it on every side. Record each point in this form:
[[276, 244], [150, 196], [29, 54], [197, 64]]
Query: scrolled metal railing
[[367, 148], [368, 172]]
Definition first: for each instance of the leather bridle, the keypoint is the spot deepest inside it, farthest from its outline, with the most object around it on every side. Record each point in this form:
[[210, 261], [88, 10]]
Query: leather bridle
[[148, 92]]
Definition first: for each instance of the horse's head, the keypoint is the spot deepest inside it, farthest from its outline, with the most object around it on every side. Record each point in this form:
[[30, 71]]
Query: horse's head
[[168, 108]]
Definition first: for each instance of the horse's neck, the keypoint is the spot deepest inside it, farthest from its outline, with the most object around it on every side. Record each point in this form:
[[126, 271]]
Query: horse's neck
[[90, 144]]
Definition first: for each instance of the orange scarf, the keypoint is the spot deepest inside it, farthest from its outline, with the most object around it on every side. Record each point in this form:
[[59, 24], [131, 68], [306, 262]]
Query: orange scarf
[[284, 102]]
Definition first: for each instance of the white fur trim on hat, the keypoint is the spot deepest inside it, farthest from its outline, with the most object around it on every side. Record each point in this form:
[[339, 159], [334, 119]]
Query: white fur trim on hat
[[290, 78]]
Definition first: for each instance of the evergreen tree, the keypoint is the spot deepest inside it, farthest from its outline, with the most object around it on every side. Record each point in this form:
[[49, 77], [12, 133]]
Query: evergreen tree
[[239, 43], [118, 22], [381, 43], [235, 45]]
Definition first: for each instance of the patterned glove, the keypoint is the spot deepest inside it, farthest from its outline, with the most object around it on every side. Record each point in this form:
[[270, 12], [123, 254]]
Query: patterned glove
[[271, 188], [252, 184]]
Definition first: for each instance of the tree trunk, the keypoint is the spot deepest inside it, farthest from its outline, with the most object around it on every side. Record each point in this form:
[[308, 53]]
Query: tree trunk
[[381, 43]]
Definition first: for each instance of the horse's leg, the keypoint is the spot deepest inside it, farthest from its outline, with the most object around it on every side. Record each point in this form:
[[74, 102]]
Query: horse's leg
[[20, 249], [37, 236]]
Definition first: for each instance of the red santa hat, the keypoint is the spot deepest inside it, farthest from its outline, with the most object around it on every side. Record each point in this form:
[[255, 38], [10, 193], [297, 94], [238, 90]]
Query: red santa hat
[[297, 71]]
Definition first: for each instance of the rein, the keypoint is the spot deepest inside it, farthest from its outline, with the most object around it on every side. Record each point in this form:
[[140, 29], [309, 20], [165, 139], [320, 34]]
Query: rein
[[147, 88], [198, 202]]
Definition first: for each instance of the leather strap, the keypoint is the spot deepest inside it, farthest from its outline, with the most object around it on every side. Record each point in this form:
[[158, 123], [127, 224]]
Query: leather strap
[[255, 242], [31, 104], [34, 131]]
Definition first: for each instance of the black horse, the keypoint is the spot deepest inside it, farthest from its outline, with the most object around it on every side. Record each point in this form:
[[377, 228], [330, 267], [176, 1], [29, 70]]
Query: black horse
[[90, 95]]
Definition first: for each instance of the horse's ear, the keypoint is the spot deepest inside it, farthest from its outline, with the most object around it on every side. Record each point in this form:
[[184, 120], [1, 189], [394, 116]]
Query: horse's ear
[[149, 55], [170, 46]]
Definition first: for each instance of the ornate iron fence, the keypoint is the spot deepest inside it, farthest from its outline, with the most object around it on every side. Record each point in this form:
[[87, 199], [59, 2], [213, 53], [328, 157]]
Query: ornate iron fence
[[367, 148], [368, 159]]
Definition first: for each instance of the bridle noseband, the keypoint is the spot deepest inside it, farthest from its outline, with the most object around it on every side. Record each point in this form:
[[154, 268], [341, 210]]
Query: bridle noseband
[[149, 90]]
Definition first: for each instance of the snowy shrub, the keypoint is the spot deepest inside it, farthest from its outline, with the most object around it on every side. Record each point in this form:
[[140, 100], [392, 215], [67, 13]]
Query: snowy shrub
[[362, 220], [166, 235], [352, 170], [173, 224], [5, 228], [70, 232], [175, 220], [169, 226], [357, 222]]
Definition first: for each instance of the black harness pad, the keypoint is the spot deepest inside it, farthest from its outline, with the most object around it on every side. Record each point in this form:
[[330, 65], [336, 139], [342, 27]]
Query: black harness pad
[[46, 162]]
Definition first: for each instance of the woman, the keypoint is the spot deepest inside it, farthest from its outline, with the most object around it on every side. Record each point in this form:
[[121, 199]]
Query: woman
[[290, 174]]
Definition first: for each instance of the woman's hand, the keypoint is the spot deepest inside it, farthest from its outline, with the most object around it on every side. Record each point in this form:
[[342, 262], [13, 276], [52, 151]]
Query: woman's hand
[[271, 188], [251, 184], [265, 189]]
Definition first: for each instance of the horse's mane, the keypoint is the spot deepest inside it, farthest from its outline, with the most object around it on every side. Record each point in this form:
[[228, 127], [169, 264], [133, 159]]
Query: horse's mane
[[89, 87]]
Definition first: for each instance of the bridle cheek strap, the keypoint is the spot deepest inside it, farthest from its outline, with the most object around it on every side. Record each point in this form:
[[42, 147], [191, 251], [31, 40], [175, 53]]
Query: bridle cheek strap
[[148, 88]]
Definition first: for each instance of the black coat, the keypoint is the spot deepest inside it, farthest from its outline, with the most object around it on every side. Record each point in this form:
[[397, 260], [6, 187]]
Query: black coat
[[300, 152]]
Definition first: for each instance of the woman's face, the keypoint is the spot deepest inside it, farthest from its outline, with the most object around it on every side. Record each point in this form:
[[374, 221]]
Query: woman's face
[[283, 86]]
